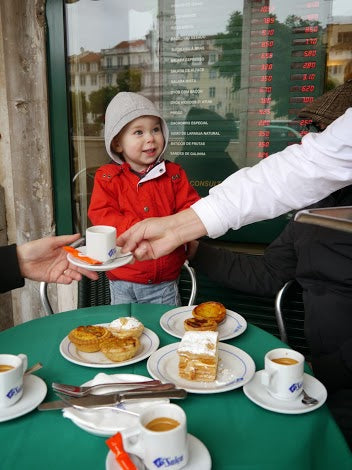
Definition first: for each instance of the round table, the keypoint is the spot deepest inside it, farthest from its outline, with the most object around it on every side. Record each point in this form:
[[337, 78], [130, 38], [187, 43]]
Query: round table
[[238, 434]]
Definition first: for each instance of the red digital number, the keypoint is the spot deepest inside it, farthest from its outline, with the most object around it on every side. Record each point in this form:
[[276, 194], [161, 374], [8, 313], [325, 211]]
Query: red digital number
[[266, 78], [263, 154], [264, 133], [263, 144], [307, 88], [269, 20], [265, 89], [266, 55], [309, 65], [267, 67], [266, 44], [265, 100], [311, 29], [310, 53], [268, 32]]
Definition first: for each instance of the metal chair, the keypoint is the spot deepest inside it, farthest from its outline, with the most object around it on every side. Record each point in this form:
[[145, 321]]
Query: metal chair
[[93, 293], [289, 313]]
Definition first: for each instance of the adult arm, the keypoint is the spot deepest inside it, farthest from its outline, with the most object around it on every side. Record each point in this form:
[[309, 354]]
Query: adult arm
[[291, 179], [10, 274], [40, 260]]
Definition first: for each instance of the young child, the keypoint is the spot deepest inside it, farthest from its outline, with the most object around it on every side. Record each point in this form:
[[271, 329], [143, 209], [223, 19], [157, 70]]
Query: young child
[[139, 184]]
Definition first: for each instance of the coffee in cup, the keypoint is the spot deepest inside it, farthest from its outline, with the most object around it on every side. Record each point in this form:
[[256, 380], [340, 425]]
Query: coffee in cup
[[12, 369], [101, 242], [283, 373], [160, 438], [5, 367], [162, 424]]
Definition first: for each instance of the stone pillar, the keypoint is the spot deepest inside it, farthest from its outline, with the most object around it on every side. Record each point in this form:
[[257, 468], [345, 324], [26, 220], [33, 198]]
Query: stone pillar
[[25, 169]]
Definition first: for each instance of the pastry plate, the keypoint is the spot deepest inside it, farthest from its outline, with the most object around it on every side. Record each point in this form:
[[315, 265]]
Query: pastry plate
[[120, 260], [257, 392], [106, 423], [149, 343], [199, 457], [34, 391], [172, 322], [235, 368]]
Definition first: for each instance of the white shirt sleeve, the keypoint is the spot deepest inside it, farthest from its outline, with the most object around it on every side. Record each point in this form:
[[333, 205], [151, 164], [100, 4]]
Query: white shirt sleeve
[[294, 178]]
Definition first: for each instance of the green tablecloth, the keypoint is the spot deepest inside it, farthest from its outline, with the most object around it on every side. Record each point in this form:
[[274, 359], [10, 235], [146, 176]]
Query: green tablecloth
[[239, 434]]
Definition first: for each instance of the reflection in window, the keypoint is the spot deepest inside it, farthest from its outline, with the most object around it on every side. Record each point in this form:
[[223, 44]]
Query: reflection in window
[[253, 66]]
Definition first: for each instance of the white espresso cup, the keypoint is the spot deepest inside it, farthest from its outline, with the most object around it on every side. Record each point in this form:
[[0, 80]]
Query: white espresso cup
[[283, 373], [159, 448], [101, 242], [12, 369]]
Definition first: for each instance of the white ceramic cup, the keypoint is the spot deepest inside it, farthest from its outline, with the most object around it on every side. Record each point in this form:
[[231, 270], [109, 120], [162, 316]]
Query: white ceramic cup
[[281, 380], [101, 242], [159, 449], [11, 381]]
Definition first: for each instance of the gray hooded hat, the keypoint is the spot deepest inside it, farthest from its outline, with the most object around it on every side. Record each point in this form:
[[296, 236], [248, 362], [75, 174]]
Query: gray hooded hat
[[124, 108]]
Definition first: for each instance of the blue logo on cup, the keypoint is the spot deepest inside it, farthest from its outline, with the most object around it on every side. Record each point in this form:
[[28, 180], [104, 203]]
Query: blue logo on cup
[[14, 391], [294, 387], [112, 252], [165, 462]]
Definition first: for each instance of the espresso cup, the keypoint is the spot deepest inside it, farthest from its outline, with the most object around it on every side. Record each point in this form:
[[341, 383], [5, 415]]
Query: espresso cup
[[12, 369], [283, 373], [101, 242], [160, 439]]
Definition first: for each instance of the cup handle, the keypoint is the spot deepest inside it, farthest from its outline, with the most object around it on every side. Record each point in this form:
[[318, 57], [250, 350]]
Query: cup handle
[[131, 441], [265, 378], [24, 362]]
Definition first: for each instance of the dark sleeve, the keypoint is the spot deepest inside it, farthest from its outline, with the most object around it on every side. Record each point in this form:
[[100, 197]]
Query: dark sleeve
[[10, 275], [254, 274]]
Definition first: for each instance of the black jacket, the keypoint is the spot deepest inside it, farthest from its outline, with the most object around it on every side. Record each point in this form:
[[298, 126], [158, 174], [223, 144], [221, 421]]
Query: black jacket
[[320, 259], [10, 276]]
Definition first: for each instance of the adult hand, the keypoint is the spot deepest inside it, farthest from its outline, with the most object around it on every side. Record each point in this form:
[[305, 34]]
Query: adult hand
[[45, 260], [156, 237]]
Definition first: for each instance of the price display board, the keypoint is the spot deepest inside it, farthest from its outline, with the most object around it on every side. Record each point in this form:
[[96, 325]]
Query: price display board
[[234, 78]]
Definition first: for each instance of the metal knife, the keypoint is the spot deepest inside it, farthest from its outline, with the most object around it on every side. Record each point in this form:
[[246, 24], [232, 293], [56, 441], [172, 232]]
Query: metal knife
[[111, 399]]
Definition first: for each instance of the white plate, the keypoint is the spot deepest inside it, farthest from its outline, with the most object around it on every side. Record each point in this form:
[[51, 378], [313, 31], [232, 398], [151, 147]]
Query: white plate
[[257, 392], [34, 391], [235, 368], [149, 343], [120, 260], [199, 457], [106, 423], [172, 322]]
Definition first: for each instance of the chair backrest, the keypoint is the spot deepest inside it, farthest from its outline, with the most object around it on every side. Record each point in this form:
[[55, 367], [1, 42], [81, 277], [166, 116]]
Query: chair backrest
[[93, 293], [289, 312]]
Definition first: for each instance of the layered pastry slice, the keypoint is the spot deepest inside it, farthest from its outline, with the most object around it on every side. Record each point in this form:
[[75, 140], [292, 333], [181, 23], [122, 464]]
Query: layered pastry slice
[[198, 356]]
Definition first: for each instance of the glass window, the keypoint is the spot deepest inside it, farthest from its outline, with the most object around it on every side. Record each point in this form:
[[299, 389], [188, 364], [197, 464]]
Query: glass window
[[230, 79]]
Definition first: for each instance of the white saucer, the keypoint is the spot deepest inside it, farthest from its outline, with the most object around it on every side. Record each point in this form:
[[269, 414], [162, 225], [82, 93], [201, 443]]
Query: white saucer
[[106, 423], [199, 457], [34, 391], [149, 342], [257, 392], [235, 368], [120, 260], [172, 322]]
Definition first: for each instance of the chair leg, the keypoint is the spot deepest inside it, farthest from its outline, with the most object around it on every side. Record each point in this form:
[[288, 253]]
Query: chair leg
[[278, 311]]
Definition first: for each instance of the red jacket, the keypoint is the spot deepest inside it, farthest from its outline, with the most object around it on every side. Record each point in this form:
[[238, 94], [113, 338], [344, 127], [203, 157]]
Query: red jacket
[[120, 199]]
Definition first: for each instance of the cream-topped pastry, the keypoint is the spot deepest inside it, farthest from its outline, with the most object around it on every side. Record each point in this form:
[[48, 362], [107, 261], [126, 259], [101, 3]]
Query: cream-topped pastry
[[198, 356], [126, 327]]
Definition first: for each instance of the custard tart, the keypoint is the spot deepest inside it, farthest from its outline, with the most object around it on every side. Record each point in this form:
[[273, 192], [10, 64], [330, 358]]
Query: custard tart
[[88, 338], [126, 327], [210, 311], [118, 349], [200, 324]]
